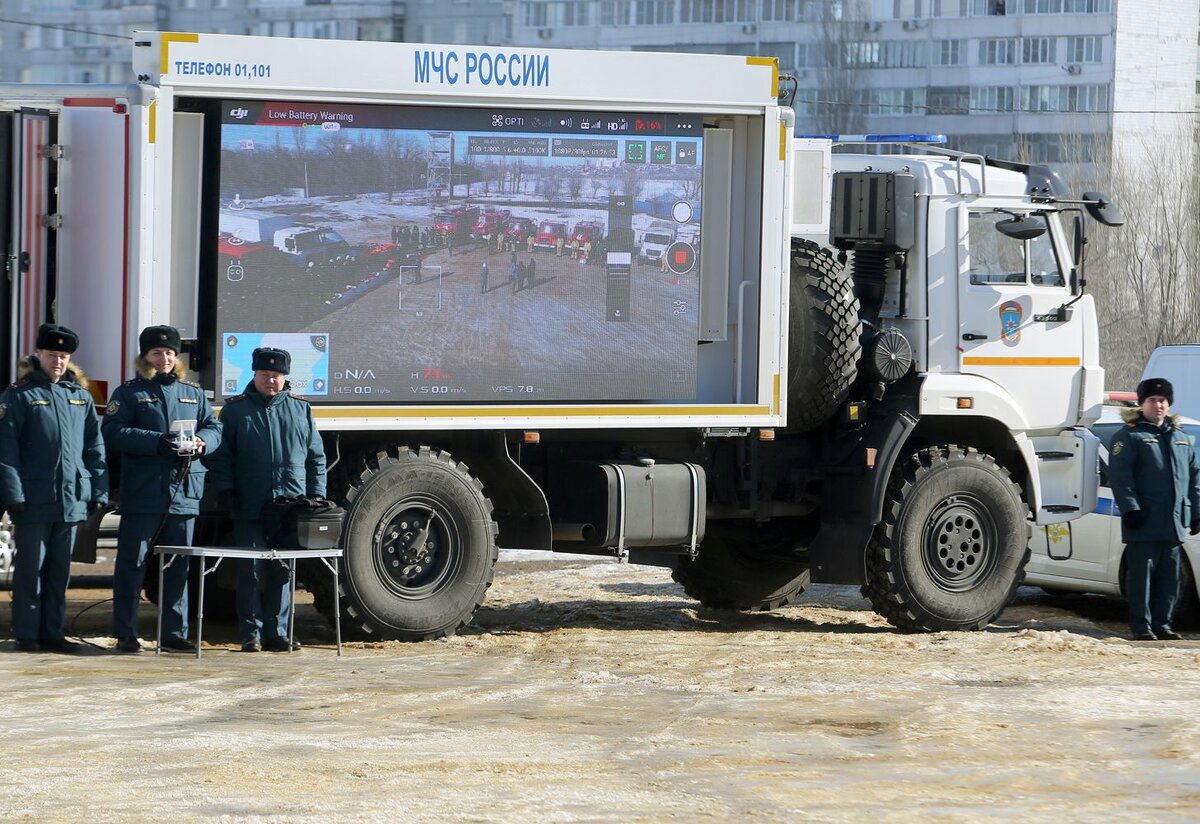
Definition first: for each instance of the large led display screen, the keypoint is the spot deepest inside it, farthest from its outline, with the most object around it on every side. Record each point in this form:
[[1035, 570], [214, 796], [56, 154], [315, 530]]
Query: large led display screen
[[409, 254]]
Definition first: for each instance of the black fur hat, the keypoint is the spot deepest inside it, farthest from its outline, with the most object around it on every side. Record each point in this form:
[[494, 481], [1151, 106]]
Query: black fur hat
[[271, 360], [156, 337], [55, 338], [1155, 386]]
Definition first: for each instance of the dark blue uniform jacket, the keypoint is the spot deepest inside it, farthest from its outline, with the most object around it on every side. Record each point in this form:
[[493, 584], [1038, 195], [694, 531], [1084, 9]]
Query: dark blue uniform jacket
[[268, 449], [1154, 469], [51, 450], [139, 413]]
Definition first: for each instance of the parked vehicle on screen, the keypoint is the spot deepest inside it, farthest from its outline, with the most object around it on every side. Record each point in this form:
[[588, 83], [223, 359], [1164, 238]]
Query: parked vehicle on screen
[[587, 231], [458, 221], [490, 221], [549, 234], [518, 229], [654, 243]]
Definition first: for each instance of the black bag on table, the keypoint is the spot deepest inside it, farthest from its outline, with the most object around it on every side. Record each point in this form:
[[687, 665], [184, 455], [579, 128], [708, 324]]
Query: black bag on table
[[302, 523]]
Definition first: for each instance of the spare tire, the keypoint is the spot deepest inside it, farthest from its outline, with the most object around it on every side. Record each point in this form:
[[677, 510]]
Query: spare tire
[[823, 336]]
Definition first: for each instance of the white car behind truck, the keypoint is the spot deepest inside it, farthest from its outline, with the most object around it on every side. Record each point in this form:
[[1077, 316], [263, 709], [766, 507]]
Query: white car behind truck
[[881, 373]]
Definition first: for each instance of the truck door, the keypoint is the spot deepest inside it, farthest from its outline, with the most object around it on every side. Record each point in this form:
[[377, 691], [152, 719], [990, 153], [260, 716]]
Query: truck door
[[1010, 331], [26, 202]]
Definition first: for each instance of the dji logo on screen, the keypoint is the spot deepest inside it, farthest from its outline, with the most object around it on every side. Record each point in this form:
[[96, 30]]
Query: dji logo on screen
[[239, 113]]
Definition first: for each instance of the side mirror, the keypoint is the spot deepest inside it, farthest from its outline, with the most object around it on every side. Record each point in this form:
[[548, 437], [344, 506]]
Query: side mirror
[[1022, 228], [1102, 209], [1078, 247]]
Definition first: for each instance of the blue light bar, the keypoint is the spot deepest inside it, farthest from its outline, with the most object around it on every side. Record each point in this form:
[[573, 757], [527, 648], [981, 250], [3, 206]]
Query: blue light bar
[[877, 138]]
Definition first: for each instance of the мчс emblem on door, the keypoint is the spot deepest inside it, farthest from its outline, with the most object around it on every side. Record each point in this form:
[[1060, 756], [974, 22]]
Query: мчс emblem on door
[[1010, 322]]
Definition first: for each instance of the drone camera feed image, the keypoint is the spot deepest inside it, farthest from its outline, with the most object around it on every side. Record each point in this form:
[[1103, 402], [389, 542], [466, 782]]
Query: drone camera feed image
[[408, 254]]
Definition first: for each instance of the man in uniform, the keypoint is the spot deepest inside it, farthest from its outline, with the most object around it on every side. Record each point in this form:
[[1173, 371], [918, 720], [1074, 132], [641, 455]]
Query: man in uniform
[[160, 488], [52, 476], [270, 447], [1156, 485]]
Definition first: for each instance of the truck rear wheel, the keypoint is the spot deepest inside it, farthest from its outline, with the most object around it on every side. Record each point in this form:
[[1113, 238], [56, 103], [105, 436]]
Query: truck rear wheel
[[420, 546], [823, 336], [952, 545], [744, 567]]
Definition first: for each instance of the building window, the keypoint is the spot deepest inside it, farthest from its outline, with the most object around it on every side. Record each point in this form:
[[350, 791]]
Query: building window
[[533, 14], [1090, 98], [717, 11], [1067, 6], [654, 12], [780, 10], [949, 100], [784, 52], [948, 53], [993, 99], [997, 51], [948, 8], [893, 102], [1085, 49], [616, 13], [992, 8], [1037, 50]]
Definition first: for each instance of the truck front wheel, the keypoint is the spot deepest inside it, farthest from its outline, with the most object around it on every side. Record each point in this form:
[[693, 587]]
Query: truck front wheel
[[742, 566], [952, 545], [420, 546]]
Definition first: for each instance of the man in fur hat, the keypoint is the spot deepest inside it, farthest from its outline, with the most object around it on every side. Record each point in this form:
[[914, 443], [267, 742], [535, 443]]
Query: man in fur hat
[[160, 487], [271, 448], [52, 475], [1156, 485]]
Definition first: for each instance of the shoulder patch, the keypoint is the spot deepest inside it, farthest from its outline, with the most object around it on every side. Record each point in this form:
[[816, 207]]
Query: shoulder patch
[[3, 410], [112, 407], [1118, 447]]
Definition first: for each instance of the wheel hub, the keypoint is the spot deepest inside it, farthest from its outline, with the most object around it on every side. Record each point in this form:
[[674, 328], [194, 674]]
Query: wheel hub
[[960, 544], [410, 545]]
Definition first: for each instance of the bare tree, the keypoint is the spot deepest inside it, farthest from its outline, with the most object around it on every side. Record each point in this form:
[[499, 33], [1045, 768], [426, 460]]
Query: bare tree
[[845, 50], [1145, 275]]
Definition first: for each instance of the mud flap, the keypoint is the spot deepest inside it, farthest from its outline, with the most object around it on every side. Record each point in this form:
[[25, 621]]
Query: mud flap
[[852, 503]]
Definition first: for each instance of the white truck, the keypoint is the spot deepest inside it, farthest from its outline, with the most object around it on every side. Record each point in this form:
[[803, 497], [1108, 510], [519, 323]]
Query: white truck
[[878, 369]]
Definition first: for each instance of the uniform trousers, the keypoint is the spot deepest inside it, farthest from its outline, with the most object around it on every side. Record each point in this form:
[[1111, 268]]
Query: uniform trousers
[[264, 597], [133, 546], [41, 571], [1151, 583]]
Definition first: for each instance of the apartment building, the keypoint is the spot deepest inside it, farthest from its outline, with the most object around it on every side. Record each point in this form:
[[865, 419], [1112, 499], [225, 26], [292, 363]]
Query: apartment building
[[1050, 80], [89, 41]]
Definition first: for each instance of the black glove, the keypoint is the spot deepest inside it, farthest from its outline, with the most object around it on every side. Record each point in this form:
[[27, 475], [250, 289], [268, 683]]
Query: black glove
[[15, 507], [1134, 519], [94, 507], [167, 447], [1195, 526]]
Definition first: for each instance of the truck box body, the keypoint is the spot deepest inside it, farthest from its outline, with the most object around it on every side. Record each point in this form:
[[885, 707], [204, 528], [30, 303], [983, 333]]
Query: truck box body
[[220, 116]]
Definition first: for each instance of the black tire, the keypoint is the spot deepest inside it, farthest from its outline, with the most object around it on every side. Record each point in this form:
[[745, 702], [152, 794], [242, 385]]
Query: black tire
[[823, 336], [744, 567], [392, 588], [952, 546]]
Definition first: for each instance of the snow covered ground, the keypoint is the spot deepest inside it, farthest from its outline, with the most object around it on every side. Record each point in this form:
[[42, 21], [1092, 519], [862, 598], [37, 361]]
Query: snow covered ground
[[594, 691]]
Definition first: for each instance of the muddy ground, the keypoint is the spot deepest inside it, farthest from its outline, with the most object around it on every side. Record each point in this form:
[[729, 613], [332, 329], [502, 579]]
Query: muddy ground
[[598, 692]]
